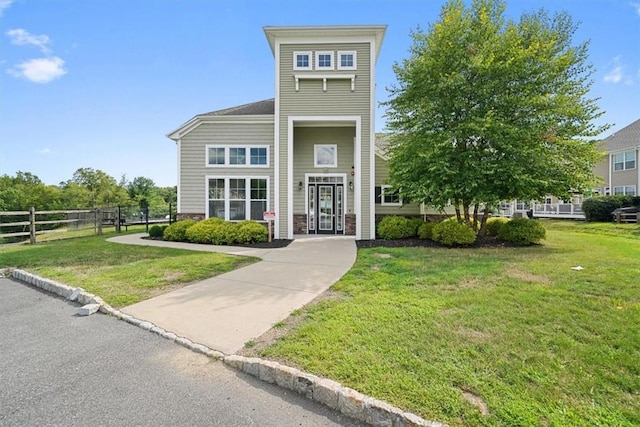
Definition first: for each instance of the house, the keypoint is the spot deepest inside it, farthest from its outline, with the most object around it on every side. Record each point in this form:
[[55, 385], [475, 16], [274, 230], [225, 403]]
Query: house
[[309, 154], [619, 167]]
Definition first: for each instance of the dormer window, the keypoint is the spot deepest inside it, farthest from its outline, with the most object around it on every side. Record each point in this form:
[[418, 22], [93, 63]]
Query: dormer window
[[347, 60], [301, 60], [324, 60]]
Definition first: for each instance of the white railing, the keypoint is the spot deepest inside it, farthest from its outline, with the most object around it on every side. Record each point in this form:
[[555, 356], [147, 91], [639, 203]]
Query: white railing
[[567, 210]]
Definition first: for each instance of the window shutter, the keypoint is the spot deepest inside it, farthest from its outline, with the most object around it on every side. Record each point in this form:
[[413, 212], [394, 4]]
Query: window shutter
[[378, 192]]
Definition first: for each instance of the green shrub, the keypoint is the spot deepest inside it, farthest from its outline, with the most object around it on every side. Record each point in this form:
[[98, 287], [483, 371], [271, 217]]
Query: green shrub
[[452, 233], [425, 231], [176, 232], [203, 231], [599, 208], [251, 232], [156, 231], [416, 223], [522, 231], [396, 227], [494, 225]]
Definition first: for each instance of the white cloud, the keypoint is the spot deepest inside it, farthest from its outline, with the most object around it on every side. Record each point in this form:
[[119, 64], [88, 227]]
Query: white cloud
[[4, 4], [617, 73], [19, 36], [636, 6], [40, 70], [44, 151]]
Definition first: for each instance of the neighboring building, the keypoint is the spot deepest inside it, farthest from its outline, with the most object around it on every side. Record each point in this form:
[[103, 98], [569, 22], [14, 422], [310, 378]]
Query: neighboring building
[[619, 167], [309, 154]]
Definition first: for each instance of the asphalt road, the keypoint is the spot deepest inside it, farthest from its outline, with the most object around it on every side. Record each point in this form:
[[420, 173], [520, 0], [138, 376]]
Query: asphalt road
[[57, 368]]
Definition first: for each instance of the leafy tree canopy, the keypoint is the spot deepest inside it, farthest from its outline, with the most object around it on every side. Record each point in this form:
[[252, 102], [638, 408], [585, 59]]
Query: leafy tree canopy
[[488, 109]]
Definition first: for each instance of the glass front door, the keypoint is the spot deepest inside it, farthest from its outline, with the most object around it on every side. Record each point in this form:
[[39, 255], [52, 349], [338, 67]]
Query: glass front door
[[325, 205]]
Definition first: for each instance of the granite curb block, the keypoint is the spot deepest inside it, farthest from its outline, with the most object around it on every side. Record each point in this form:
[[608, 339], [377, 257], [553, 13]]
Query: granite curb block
[[322, 390], [330, 393]]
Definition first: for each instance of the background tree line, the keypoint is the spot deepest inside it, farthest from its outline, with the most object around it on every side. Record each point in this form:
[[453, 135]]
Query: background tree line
[[87, 188]]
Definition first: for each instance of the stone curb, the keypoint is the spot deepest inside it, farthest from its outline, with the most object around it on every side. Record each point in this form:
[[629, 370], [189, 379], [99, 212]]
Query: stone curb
[[322, 390]]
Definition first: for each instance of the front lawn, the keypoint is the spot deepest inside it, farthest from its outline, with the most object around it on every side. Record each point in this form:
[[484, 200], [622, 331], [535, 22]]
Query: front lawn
[[120, 274], [515, 328]]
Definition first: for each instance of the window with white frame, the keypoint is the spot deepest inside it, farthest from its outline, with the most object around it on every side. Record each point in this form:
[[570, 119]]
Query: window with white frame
[[347, 60], [324, 60], [325, 155], [301, 60], [624, 161], [389, 196], [627, 190], [238, 155], [238, 198]]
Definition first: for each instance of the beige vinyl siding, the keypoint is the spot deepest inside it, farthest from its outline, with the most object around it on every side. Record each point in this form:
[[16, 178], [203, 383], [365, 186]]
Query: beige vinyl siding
[[601, 170], [193, 158], [382, 173], [338, 100], [303, 161]]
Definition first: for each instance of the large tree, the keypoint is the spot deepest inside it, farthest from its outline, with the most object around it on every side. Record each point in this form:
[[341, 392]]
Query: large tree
[[488, 109]]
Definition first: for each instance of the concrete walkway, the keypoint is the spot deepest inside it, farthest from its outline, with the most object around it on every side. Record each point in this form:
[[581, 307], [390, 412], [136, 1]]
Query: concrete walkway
[[226, 311]]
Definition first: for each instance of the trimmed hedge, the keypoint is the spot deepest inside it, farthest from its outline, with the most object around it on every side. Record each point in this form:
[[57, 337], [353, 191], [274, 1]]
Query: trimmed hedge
[[206, 231], [599, 208], [452, 233], [252, 232], [176, 232], [220, 232], [522, 231], [396, 227], [157, 230], [494, 225]]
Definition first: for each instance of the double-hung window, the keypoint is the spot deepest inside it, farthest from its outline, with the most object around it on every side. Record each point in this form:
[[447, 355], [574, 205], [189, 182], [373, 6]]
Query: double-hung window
[[627, 190], [389, 196], [347, 60], [237, 156], [324, 60], [624, 161], [301, 60], [237, 198]]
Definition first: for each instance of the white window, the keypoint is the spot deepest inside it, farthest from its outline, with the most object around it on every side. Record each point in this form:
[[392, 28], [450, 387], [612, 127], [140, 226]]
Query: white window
[[301, 60], [324, 60], [325, 155], [237, 198], [624, 161], [347, 60], [389, 196], [627, 190], [237, 156]]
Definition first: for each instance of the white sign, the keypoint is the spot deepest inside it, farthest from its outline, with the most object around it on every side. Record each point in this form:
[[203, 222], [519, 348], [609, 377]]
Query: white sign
[[269, 215]]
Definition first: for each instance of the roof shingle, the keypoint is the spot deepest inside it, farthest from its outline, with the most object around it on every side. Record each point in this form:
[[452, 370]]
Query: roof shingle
[[627, 137], [260, 108]]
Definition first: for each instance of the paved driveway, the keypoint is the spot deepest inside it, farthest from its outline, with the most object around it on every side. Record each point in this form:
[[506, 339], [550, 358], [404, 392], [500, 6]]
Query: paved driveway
[[60, 369]]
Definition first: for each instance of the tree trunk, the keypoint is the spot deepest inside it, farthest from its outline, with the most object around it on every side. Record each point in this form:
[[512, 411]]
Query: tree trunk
[[483, 223], [465, 207], [475, 218]]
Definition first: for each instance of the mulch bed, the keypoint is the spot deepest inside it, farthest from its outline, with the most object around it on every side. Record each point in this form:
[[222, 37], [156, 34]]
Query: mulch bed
[[481, 242], [274, 244]]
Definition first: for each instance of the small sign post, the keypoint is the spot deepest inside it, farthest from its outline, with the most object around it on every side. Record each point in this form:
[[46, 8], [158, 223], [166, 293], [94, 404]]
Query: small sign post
[[269, 216]]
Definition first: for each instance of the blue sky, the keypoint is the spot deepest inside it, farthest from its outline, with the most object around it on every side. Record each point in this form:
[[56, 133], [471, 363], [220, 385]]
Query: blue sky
[[99, 83]]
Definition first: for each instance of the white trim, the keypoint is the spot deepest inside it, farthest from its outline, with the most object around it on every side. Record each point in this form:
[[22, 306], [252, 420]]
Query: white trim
[[382, 202], [624, 160], [178, 192], [339, 60], [324, 78], [227, 148], [345, 197], [316, 147], [295, 60], [372, 137], [276, 145], [624, 190], [247, 199], [610, 167], [194, 123], [317, 59]]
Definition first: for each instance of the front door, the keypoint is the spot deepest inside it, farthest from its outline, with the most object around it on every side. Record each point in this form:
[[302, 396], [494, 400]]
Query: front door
[[326, 208]]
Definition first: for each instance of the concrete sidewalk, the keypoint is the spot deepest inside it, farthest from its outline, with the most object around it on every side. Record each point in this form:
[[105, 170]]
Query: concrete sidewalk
[[226, 311]]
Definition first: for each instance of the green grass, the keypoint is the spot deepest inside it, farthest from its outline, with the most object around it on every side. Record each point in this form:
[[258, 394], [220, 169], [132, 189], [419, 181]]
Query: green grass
[[540, 343], [120, 274]]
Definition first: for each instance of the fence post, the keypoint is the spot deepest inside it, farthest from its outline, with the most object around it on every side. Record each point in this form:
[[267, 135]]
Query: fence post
[[117, 219], [32, 225], [99, 221]]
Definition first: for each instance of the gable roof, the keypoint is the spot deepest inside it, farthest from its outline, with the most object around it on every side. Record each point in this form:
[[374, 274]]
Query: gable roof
[[627, 137], [255, 111], [259, 108]]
